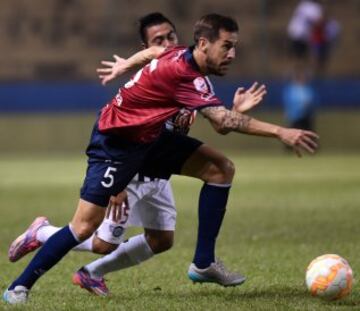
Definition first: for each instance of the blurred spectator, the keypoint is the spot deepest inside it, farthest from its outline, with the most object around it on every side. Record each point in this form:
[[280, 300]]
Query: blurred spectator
[[323, 35], [306, 14], [299, 102]]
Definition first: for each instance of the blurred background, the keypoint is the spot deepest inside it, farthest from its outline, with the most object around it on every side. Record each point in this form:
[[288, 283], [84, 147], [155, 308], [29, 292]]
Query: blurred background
[[306, 52]]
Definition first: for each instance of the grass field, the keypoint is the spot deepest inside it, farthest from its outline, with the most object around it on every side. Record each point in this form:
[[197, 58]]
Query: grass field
[[282, 213]]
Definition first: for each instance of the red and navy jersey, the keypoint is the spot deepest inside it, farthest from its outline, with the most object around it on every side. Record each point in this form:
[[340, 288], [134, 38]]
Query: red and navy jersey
[[156, 93]]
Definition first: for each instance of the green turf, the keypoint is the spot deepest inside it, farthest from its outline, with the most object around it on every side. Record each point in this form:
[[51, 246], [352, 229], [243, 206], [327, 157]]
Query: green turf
[[282, 213]]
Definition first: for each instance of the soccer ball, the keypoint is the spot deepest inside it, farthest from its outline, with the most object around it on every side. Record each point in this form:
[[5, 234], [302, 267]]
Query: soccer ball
[[330, 277]]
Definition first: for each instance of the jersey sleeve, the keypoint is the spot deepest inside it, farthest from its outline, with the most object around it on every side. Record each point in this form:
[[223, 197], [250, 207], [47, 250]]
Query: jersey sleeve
[[196, 93]]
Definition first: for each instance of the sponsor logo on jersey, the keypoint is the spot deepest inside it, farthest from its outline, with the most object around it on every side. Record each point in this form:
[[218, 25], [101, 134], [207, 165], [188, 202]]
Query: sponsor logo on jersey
[[210, 93]]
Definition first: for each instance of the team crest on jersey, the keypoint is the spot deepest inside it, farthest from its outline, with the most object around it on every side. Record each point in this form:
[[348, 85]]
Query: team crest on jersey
[[178, 54], [200, 85]]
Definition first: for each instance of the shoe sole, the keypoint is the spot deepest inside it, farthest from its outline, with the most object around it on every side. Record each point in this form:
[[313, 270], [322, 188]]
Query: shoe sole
[[199, 279]]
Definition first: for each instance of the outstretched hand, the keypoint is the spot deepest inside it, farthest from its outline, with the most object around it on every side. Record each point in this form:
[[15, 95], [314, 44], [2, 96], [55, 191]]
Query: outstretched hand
[[299, 140], [112, 69], [244, 100]]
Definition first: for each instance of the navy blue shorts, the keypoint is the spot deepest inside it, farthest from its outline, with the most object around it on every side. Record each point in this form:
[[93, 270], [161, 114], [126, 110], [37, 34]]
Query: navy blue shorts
[[168, 155], [113, 162]]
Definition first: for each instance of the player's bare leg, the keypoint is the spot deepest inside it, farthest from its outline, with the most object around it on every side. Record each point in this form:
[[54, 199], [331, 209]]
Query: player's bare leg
[[87, 219], [217, 172], [159, 240], [209, 165]]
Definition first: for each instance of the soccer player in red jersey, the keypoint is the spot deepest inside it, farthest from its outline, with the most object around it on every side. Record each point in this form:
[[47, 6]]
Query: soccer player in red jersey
[[150, 200], [129, 133]]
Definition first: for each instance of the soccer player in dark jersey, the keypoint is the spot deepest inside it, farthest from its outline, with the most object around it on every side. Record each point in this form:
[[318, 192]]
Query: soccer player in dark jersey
[[128, 133]]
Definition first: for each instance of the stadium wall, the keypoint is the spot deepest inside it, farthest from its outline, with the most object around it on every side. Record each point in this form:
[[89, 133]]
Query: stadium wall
[[35, 97], [53, 118]]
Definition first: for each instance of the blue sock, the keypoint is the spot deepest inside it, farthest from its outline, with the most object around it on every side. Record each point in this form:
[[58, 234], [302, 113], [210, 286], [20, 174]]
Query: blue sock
[[48, 256], [212, 206]]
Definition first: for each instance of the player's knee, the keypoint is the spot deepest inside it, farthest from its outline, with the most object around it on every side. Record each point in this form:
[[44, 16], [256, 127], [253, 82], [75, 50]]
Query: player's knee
[[165, 244], [162, 246], [229, 169], [159, 244], [84, 230], [223, 172]]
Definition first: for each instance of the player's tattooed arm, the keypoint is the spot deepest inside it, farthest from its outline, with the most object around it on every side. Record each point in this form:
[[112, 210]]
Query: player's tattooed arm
[[113, 69], [225, 121]]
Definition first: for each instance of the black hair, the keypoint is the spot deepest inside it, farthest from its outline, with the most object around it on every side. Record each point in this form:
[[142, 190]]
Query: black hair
[[149, 20], [209, 26]]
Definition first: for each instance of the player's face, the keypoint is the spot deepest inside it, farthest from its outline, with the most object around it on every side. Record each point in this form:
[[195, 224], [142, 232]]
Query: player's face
[[161, 35], [221, 52]]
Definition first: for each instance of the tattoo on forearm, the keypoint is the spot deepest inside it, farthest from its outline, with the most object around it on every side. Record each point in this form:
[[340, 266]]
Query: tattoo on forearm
[[236, 121], [227, 119]]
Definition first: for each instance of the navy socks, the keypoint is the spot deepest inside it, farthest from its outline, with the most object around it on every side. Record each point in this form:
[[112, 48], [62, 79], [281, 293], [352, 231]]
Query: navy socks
[[212, 206], [48, 256]]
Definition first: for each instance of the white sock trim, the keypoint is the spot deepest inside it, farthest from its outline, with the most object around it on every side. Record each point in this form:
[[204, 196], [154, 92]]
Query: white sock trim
[[73, 233], [219, 185]]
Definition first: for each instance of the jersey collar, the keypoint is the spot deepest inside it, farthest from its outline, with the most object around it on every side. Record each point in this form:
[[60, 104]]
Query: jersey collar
[[189, 57]]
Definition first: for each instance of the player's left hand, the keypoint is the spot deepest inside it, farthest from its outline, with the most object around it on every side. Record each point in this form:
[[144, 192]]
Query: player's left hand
[[112, 69], [299, 140], [244, 100], [117, 203]]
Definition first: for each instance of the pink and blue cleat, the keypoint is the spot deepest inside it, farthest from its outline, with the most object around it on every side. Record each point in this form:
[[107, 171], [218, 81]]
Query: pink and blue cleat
[[93, 285], [27, 242]]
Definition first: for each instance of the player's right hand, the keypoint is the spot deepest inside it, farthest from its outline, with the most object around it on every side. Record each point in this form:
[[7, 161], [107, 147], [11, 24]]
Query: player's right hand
[[245, 100], [299, 140], [112, 69]]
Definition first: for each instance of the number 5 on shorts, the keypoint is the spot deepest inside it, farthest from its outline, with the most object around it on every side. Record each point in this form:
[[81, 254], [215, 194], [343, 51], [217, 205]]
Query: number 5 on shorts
[[109, 177]]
